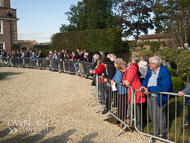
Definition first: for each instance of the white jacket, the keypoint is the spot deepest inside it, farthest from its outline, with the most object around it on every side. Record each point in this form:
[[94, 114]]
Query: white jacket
[[143, 67]]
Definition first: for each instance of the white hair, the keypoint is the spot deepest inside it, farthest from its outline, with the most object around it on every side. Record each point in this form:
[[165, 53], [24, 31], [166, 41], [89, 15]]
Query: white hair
[[186, 44], [113, 58], [156, 60], [118, 60], [109, 56], [86, 53], [96, 56], [135, 58]]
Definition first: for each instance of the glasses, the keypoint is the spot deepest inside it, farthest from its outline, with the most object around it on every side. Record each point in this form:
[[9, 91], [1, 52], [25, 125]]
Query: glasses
[[151, 63]]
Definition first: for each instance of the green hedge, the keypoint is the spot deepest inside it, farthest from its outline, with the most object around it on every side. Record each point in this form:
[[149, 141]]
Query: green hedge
[[178, 84], [145, 52], [173, 72], [91, 40]]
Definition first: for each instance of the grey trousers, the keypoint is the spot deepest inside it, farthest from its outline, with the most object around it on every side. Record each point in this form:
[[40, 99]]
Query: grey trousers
[[157, 115]]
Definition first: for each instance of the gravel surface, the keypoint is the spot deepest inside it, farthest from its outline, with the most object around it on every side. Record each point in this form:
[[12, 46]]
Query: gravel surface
[[44, 106]]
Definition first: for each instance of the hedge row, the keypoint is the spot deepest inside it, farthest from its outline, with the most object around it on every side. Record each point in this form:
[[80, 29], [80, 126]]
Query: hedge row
[[90, 40]]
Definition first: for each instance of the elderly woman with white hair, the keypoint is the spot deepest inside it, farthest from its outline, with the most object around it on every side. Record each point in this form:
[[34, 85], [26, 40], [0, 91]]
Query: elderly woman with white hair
[[121, 91], [158, 79]]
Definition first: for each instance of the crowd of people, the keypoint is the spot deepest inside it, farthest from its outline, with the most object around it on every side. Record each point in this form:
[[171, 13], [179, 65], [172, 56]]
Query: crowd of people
[[148, 75]]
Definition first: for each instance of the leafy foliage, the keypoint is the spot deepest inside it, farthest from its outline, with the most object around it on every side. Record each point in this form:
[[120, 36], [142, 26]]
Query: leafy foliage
[[145, 52], [173, 72], [183, 62], [172, 16], [91, 40], [154, 45], [164, 53], [14, 47], [135, 17], [178, 84], [91, 14], [173, 54]]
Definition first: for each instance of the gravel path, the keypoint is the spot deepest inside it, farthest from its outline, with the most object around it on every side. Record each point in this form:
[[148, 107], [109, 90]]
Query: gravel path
[[43, 106]]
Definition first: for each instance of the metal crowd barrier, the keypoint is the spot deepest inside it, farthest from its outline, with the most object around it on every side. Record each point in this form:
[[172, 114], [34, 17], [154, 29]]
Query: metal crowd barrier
[[85, 68], [68, 66], [5, 61], [172, 112], [118, 104]]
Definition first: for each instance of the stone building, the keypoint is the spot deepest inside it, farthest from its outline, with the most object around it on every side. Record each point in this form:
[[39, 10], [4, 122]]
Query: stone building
[[8, 26]]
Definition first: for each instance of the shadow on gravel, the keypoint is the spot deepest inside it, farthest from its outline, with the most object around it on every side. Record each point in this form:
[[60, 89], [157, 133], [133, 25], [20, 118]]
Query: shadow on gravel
[[4, 75], [60, 138], [89, 138], [26, 137]]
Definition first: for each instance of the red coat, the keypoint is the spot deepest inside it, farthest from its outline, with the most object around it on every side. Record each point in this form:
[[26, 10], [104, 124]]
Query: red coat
[[131, 76], [100, 72]]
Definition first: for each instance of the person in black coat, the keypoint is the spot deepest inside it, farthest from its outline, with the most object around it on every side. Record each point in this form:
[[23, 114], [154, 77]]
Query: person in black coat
[[39, 57], [109, 73]]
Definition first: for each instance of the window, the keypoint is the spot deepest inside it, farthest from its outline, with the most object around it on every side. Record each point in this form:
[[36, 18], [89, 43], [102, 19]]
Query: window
[[1, 48], [1, 27]]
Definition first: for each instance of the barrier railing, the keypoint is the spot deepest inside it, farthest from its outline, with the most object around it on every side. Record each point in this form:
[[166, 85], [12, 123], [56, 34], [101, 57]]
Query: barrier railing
[[165, 118], [118, 105], [69, 67], [85, 68]]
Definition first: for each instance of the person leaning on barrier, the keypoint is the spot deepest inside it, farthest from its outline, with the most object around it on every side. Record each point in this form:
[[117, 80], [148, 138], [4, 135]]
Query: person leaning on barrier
[[121, 91], [130, 78], [187, 99], [158, 79], [39, 57], [109, 73], [77, 64], [33, 57], [101, 85]]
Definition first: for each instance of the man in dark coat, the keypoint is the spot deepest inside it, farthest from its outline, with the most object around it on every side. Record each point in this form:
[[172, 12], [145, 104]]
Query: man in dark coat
[[109, 73]]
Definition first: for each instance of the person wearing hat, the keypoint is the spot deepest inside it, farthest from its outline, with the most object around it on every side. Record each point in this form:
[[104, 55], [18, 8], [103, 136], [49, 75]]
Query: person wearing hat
[[109, 73]]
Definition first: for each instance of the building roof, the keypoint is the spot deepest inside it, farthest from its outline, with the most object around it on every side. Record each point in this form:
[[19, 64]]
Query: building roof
[[155, 36], [28, 41]]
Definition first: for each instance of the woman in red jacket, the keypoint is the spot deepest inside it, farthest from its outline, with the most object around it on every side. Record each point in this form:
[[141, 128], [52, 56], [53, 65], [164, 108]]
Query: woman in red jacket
[[101, 85], [130, 78]]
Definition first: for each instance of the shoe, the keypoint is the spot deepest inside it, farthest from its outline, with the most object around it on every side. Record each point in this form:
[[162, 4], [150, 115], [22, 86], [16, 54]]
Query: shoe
[[164, 136], [105, 111]]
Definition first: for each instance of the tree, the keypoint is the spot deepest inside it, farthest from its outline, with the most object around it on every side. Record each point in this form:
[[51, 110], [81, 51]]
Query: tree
[[145, 52], [91, 14], [172, 16], [183, 63], [164, 54], [135, 17], [173, 54]]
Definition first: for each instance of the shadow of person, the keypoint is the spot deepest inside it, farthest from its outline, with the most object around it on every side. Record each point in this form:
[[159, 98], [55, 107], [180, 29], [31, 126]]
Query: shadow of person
[[3, 75], [21, 138], [60, 139], [88, 138], [1, 122], [5, 132]]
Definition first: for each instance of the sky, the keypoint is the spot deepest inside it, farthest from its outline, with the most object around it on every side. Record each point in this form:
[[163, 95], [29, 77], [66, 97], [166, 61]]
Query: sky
[[40, 19]]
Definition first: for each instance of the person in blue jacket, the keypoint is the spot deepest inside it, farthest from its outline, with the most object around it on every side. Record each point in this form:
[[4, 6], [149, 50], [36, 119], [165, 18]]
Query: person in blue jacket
[[187, 99], [158, 79], [122, 93]]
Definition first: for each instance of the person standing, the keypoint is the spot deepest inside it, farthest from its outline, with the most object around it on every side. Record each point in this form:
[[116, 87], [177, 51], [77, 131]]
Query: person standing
[[143, 68], [109, 73], [158, 79]]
